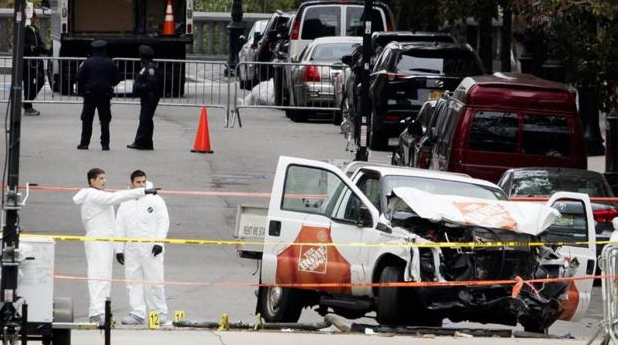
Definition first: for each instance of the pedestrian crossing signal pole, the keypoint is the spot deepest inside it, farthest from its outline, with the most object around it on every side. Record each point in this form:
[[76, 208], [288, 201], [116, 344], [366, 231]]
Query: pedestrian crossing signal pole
[[363, 117], [9, 317]]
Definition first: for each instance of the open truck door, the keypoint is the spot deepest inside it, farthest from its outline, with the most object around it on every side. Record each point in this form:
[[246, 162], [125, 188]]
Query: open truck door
[[577, 227], [315, 204]]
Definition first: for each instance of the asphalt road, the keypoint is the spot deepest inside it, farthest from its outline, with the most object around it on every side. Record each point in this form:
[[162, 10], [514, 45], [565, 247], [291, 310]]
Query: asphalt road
[[244, 160]]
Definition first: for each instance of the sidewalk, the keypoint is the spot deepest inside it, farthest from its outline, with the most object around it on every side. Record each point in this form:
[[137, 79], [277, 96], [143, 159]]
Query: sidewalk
[[205, 337]]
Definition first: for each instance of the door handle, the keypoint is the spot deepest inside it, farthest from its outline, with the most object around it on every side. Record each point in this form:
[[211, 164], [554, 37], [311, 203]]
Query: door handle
[[274, 228]]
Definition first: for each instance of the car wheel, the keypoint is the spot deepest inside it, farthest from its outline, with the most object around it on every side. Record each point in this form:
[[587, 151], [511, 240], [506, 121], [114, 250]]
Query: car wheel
[[337, 117], [279, 304], [390, 299], [299, 116]]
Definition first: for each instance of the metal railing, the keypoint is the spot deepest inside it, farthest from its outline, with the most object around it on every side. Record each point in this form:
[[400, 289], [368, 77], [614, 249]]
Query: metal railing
[[608, 261], [210, 36], [301, 89], [191, 83]]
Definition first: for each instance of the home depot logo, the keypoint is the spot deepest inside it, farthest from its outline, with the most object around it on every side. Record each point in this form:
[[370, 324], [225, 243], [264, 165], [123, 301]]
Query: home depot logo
[[487, 215], [313, 259]]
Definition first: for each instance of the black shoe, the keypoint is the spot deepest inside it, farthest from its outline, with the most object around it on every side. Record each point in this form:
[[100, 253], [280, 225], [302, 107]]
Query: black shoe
[[143, 148], [105, 147], [82, 147]]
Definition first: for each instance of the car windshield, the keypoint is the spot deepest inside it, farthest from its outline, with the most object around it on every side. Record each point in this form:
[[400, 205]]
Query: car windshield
[[443, 187], [437, 62], [531, 183], [321, 21], [332, 51]]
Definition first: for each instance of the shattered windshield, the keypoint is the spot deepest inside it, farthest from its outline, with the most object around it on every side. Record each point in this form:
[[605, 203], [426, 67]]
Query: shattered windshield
[[443, 187]]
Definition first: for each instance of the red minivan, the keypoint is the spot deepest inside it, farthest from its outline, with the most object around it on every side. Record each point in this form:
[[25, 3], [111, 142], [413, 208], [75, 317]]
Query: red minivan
[[496, 122]]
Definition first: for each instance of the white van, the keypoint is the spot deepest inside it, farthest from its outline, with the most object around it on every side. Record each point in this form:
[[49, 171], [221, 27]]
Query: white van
[[316, 19]]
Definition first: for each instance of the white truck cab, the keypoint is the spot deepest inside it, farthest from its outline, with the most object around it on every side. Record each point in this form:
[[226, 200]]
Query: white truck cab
[[329, 237]]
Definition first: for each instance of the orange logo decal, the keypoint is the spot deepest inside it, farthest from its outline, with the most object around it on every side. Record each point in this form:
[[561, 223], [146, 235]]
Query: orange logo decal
[[313, 259], [488, 215]]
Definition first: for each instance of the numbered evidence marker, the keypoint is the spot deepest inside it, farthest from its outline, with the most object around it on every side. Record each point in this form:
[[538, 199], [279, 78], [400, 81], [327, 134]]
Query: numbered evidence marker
[[179, 315], [153, 320]]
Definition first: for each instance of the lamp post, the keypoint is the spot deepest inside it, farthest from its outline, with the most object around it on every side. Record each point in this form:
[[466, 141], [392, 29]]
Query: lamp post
[[9, 318], [236, 28], [362, 117]]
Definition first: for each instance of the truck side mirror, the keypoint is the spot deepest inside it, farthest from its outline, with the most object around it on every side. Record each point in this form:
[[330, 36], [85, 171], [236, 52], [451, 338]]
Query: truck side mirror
[[347, 59], [364, 217], [295, 59]]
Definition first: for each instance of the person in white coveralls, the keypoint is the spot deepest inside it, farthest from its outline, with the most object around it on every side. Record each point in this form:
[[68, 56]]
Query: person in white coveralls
[[97, 213], [145, 217]]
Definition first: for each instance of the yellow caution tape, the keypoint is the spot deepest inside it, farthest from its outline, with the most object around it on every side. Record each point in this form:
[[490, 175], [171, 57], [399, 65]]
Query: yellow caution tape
[[495, 244]]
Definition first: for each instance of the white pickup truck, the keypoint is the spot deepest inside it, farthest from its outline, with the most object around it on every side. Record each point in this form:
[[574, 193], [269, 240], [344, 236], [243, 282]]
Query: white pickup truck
[[353, 228]]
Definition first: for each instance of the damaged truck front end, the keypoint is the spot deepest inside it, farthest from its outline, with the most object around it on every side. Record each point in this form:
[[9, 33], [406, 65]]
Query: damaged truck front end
[[495, 249]]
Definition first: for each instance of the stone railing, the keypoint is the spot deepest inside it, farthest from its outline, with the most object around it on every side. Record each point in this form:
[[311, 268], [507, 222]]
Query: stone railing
[[210, 37]]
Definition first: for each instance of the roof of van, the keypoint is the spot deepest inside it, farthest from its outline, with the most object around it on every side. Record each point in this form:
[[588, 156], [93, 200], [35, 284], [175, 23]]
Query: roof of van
[[548, 93], [512, 80], [338, 39]]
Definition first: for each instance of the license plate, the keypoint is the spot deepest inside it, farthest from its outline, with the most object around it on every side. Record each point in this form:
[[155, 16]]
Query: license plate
[[436, 94], [393, 141], [565, 220]]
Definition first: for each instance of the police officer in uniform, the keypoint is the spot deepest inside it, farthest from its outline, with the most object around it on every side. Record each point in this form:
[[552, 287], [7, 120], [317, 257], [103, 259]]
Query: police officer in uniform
[[147, 88], [96, 79], [33, 71]]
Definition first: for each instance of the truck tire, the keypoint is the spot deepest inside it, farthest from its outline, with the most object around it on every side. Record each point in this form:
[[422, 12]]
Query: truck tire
[[279, 304], [63, 312], [390, 299]]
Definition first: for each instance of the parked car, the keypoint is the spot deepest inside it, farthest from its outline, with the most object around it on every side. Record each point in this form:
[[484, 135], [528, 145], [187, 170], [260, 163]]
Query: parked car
[[509, 120], [246, 73], [312, 82], [315, 19], [410, 137], [263, 50], [544, 181], [347, 90], [406, 75], [380, 39]]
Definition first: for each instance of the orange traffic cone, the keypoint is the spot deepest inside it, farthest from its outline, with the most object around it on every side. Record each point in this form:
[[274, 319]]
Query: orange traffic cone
[[168, 24], [202, 137]]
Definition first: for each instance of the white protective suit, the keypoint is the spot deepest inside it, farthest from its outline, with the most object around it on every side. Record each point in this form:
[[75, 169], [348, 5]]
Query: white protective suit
[[146, 218], [97, 210]]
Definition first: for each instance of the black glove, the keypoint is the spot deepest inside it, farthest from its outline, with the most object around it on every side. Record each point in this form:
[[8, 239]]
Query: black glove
[[120, 258], [157, 249], [151, 191]]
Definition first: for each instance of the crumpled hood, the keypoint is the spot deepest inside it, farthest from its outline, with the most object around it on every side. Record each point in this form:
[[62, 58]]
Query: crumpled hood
[[523, 217], [80, 197]]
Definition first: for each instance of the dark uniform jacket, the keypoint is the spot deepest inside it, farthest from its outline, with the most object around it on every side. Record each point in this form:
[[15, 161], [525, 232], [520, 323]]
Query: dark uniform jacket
[[97, 77], [147, 82], [34, 46]]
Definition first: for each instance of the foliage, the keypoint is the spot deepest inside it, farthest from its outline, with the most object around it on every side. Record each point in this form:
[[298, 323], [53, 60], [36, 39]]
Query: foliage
[[585, 34], [265, 6]]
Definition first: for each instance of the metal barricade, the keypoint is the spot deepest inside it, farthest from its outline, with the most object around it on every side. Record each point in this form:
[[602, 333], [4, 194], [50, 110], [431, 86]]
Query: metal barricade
[[298, 88], [54, 76], [608, 261], [191, 83]]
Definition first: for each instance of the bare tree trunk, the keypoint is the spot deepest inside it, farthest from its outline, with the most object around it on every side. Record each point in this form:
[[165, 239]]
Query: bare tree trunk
[[486, 43], [505, 49]]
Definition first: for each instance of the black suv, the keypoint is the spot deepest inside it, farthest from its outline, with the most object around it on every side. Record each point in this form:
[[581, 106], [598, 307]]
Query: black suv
[[406, 75]]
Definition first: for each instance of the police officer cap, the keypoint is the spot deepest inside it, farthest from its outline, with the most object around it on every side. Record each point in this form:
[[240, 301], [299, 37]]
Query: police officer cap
[[146, 51], [98, 44]]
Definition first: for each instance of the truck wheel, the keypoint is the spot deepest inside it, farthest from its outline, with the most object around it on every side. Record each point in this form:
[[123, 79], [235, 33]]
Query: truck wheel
[[390, 299], [280, 304], [63, 312]]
